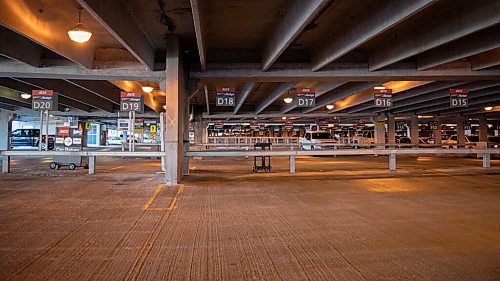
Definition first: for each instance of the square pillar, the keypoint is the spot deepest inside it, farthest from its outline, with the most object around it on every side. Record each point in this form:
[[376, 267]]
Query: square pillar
[[379, 129], [391, 129], [174, 113], [460, 131], [438, 134], [414, 129], [5, 121], [483, 128]]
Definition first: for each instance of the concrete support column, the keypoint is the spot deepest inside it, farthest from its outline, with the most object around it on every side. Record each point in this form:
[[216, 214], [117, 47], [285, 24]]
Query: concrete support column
[[392, 162], [460, 131], [483, 128], [438, 133], [199, 128], [5, 121], [414, 129], [486, 160], [379, 129], [292, 164], [174, 115], [391, 128]]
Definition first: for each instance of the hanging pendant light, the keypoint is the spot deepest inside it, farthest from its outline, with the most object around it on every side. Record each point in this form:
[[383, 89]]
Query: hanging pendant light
[[79, 33]]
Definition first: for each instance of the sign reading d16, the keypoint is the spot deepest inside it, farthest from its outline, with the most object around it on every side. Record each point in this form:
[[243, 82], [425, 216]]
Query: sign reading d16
[[43, 100], [131, 102], [459, 98], [225, 96], [306, 97], [383, 98]]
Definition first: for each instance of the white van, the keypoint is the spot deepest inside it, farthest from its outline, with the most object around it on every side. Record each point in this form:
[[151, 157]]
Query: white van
[[312, 140]]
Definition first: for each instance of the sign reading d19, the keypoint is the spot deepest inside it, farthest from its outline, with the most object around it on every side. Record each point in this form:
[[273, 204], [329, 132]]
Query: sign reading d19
[[43, 100], [459, 98], [131, 102]]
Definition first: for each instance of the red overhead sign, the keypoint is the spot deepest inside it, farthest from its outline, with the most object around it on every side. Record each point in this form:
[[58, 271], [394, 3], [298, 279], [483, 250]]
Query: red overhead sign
[[42, 92], [130, 95], [459, 91], [225, 90], [306, 90]]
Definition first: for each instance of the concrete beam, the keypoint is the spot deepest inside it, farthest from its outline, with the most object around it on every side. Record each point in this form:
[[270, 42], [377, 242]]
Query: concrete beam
[[474, 44], [198, 11], [73, 71], [251, 115], [20, 48], [119, 22], [229, 73], [102, 89], [71, 91], [245, 92], [369, 26], [272, 97], [486, 59], [298, 17], [471, 17], [24, 87], [345, 92], [320, 90], [41, 28]]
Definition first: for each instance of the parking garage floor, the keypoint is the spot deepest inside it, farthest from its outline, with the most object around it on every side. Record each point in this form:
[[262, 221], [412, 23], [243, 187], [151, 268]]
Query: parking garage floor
[[345, 218]]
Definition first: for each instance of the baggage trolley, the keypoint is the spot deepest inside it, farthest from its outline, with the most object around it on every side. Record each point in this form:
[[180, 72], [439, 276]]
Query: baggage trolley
[[71, 161], [262, 163]]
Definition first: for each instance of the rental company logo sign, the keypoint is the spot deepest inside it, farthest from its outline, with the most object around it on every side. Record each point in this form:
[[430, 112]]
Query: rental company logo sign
[[43, 100], [459, 98], [225, 96], [306, 97], [383, 98], [131, 102]]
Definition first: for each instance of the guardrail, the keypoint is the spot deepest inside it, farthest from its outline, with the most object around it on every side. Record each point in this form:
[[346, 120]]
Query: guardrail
[[392, 153]]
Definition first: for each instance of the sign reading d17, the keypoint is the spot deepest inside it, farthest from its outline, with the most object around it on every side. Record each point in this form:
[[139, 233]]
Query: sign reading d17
[[459, 98], [131, 102], [383, 98], [306, 97], [225, 96], [43, 100]]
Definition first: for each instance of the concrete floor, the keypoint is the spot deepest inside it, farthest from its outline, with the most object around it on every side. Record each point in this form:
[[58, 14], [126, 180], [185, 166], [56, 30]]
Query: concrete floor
[[344, 218]]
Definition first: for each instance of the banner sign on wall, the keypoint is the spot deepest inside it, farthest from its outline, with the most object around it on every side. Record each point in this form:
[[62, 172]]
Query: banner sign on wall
[[306, 97], [383, 98], [225, 96], [459, 98], [43, 100], [131, 102]]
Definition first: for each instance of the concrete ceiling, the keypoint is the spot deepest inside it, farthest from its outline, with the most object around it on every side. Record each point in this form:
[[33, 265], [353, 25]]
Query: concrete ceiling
[[263, 48]]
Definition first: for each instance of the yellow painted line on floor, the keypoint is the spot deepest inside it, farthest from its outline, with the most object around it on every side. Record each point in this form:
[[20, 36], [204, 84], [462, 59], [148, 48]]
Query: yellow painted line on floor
[[153, 198], [173, 204], [116, 168]]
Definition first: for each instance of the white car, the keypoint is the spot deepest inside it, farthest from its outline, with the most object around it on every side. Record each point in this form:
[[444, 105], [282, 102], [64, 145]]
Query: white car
[[114, 141], [312, 140], [364, 137]]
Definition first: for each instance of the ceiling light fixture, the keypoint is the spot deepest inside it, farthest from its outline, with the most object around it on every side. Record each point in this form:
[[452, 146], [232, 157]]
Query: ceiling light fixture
[[165, 107], [283, 118], [147, 89], [79, 33], [25, 96], [379, 87], [488, 108], [288, 100], [330, 106]]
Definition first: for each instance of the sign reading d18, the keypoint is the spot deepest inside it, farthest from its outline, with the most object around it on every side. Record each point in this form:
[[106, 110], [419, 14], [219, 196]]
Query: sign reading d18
[[459, 98], [383, 98], [225, 96], [306, 97], [43, 100], [131, 102]]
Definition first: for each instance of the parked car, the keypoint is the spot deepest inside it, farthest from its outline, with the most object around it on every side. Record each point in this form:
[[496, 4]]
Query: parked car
[[364, 137], [312, 140], [29, 137], [114, 141], [494, 142], [470, 141]]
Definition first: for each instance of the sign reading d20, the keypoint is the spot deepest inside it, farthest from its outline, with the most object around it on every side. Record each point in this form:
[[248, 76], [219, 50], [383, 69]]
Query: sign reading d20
[[383, 98], [43, 100], [131, 102], [225, 96], [306, 97], [459, 98]]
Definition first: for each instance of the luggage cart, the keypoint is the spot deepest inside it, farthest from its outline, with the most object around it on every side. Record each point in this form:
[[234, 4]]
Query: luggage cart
[[262, 163], [71, 161]]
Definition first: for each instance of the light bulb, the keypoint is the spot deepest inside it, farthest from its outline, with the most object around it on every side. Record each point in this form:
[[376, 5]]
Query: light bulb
[[379, 87], [488, 108], [330, 106], [147, 89], [283, 118], [79, 34], [288, 100], [25, 96]]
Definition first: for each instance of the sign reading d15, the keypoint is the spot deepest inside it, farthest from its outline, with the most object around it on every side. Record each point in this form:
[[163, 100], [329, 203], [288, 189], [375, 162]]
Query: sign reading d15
[[43, 100], [459, 98], [225, 97], [131, 102], [306, 97], [383, 98]]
